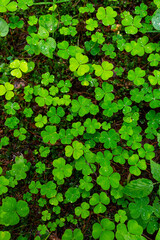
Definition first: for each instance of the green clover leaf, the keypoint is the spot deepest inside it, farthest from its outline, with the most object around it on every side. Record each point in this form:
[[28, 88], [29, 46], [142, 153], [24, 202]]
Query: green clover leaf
[[77, 129], [106, 15], [19, 67], [75, 235], [47, 47], [120, 216], [48, 189], [104, 230], [40, 121], [134, 230], [56, 199], [6, 90], [89, 8], [11, 210], [3, 183], [109, 139], [50, 134], [66, 19], [55, 115], [12, 122], [65, 136], [137, 165], [85, 183], [105, 92], [19, 168], [98, 37], [91, 125], [91, 24], [76, 149], [141, 10], [24, 5], [141, 208], [147, 152], [44, 98], [154, 59], [47, 78], [120, 154], [78, 64], [61, 169], [82, 210], [109, 50], [154, 79], [20, 133], [131, 24], [107, 178], [32, 20], [7, 5], [99, 201], [40, 167], [33, 186], [104, 71], [137, 76], [12, 107], [5, 235], [72, 194]]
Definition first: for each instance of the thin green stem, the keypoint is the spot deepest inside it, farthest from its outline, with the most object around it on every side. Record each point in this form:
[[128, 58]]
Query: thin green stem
[[62, 1], [153, 32], [156, 183], [43, 3], [50, 3]]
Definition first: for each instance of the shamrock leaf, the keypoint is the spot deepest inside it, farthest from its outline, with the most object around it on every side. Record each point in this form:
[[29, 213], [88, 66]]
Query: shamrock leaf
[[76, 149], [19, 67], [72, 194], [107, 178], [61, 169], [136, 76], [104, 230], [104, 71], [75, 235], [98, 37], [3, 183], [91, 125], [99, 201], [55, 115], [82, 210], [106, 15], [131, 24], [40, 121], [154, 79], [137, 165], [105, 92], [6, 90], [78, 64], [50, 134], [91, 24], [48, 189], [11, 210], [7, 5], [141, 208]]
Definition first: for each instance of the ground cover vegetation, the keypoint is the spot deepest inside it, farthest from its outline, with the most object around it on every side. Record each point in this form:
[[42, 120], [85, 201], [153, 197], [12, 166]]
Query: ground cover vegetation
[[80, 121]]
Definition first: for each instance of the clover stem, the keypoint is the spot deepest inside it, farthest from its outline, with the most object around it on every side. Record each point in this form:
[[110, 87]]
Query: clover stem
[[129, 177], [50, 3], [43, 3], [153, 31]]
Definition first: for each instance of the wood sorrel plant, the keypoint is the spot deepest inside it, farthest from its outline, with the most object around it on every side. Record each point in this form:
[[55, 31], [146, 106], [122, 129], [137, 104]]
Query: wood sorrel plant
[[80, 127]]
